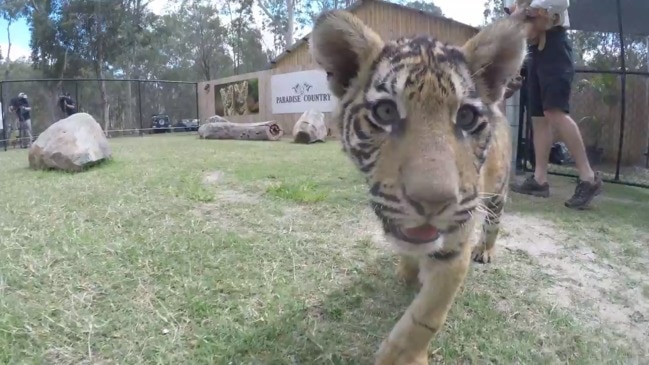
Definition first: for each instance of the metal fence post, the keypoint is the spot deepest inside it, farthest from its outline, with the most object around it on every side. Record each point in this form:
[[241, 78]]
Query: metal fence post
[[197, 108], [623, 86], [522, 109], [76, 95], [2, 114], [139, 106]]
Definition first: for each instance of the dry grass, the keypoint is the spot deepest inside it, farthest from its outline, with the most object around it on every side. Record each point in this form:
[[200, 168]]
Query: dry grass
[[216, 252]]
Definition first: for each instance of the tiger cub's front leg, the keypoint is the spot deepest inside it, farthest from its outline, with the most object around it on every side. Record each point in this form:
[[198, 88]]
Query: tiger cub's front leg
[[407, 343], [484, 251]]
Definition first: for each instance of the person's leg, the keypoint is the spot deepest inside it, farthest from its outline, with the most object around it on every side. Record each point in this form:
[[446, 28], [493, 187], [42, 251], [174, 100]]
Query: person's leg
[[28, 128], [542, 146], [542, 134], [8, 130], [571, 136], [555, 78], [21, 133]]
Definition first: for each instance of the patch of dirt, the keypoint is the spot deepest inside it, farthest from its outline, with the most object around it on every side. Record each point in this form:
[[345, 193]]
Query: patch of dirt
[[233, 196], [368, 226], [228, 195], [580, 277], [212, 177]]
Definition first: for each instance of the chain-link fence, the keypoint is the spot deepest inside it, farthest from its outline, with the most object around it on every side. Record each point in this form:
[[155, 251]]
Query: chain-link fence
[[610, 94], [121, 107]]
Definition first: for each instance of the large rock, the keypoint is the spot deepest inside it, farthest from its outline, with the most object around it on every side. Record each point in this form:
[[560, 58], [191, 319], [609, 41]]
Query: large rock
[[310, 128], [71, 144]]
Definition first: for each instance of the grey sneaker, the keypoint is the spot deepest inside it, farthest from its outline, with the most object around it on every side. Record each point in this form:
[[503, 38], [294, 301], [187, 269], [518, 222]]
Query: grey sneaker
[[531, 187], [585, 192]]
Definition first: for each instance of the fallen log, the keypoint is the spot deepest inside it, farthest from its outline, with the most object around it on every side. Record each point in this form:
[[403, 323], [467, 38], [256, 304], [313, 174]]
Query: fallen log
[[223, 129], [310, 128]]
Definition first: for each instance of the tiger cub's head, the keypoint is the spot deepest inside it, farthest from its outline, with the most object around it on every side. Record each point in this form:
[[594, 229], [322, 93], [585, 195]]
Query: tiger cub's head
[[416, 117]]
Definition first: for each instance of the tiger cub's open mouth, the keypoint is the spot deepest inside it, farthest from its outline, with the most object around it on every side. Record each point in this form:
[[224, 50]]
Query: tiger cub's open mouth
[[417, 235]]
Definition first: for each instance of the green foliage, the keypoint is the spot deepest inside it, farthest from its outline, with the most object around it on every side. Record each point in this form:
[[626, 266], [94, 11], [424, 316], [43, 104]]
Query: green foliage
[[124, 38], [606, 85], [253, 89], [493, 9], [10, 10], [306, 192], [427, 6], [305, 11]]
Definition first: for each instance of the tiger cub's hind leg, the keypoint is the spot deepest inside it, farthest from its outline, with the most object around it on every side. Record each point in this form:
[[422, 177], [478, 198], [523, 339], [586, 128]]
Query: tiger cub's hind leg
[[483, 252]]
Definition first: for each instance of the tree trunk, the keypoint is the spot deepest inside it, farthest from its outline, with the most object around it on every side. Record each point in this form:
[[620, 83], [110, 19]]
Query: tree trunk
[[290, 4], [263, 131], [7, 73], [104, 102], [63, 69]]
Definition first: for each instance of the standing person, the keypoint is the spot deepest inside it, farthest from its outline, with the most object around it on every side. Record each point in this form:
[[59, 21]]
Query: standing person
[[67, 104], [14, 107], [552, 73], [24, 120], [8, 122]]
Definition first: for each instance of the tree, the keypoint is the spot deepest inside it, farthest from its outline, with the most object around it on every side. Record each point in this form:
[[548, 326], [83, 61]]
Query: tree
[[89, 33], [11, 10], [311, 9], [493, 10], [254, 57], [204, 39], [280, 20], [240, 26], [426, 6]]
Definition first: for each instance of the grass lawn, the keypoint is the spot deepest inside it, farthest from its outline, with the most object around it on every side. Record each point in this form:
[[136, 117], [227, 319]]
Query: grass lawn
[[187, 251]]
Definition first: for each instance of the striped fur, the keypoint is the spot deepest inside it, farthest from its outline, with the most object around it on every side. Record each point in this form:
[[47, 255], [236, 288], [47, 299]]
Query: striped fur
[[419, 119]]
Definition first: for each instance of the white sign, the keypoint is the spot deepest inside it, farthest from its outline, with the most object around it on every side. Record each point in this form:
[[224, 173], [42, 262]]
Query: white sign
[[297, 92]]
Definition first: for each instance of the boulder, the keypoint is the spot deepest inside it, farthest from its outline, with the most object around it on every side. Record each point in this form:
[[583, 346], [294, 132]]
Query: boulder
[[71, 144], [310, 128]]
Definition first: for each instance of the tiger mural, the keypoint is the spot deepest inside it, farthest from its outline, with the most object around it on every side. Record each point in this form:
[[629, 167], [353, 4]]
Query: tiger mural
[[241, 98], [227, 98], [420, 120]]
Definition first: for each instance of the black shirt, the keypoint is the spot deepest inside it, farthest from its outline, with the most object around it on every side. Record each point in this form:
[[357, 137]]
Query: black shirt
[[67, 110], [17, 103]]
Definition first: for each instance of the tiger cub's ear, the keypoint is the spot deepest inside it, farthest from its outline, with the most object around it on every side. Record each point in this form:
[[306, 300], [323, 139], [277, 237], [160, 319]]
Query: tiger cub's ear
[[495, 56], [342, 45]]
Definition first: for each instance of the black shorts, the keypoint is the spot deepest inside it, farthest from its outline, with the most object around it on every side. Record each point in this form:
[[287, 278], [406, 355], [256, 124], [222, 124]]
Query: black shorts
[[550, 73]]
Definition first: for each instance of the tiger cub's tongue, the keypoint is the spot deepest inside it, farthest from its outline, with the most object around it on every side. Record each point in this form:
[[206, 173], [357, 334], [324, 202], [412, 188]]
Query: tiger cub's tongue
[[423, 232]]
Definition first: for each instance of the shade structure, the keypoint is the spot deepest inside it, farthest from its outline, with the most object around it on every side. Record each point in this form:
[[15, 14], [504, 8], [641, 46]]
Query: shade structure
[[601, 16]]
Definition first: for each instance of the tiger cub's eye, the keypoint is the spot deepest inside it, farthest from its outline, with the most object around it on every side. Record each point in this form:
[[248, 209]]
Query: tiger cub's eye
[[385, 112], [467, 117]]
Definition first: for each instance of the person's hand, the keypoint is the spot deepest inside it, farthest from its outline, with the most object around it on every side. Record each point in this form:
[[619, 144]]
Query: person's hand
[[513, 85], [534, 18], [522, 13]]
